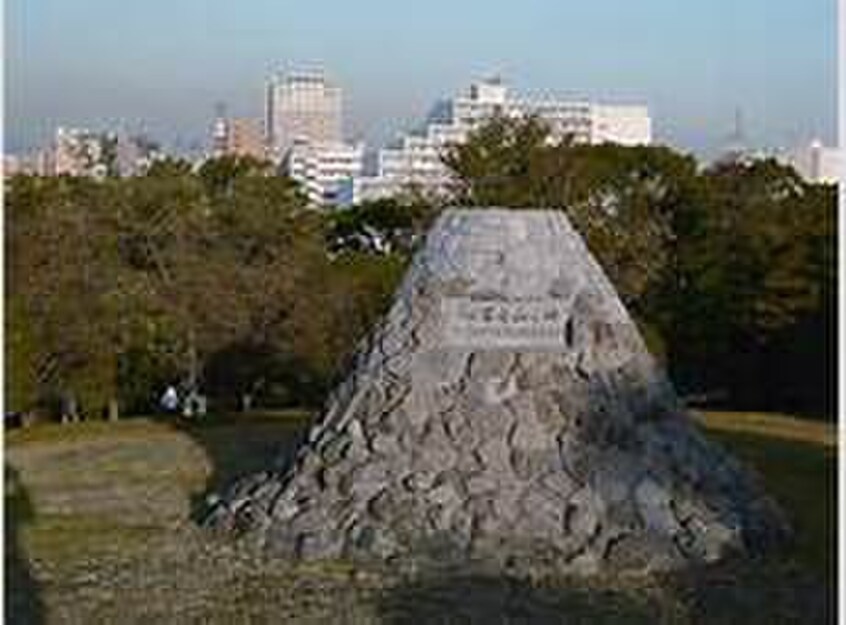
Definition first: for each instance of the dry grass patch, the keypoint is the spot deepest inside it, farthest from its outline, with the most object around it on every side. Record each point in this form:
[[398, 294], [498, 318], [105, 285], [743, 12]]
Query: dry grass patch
[[771, 425]]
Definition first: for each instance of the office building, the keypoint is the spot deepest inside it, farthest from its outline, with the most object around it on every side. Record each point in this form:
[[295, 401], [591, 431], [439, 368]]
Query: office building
[[580, 121], [415, 160], [301, 107], [325, 170]]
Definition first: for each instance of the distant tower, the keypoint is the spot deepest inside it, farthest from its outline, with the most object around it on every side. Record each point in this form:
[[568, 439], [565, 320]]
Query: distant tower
[[735, 143]]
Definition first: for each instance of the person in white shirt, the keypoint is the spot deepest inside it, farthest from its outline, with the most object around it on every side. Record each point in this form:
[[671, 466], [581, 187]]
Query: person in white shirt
[[170, 399]]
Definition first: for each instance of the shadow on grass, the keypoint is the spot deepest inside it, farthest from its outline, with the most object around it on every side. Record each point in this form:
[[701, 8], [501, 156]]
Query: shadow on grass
[[763, 593], [21, 593], [803, 479], [491, 600], [240, 445], [772, 591]]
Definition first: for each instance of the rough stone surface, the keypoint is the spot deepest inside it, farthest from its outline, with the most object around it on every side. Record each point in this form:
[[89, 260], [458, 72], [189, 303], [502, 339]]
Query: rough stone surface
[[507, 413]]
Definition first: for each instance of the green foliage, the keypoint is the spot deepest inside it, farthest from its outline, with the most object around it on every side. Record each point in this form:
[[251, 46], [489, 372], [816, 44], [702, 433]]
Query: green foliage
[[220, 174], [496, 166], [386, 226], [110, 154], [218, 279], [169, 167], [366, 284], [21, 382], [751, 307], [60, 273]]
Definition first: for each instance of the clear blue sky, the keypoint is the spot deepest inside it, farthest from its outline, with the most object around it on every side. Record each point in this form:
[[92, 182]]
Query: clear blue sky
[[162, 64]]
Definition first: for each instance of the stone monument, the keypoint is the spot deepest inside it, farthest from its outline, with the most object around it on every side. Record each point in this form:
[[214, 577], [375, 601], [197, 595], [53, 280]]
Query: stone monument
[[506, 414]]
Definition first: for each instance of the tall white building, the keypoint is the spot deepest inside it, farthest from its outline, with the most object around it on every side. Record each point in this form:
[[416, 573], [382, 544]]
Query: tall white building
[[325, 170], [415, 161], [818, 163], [582, 121], [301, 107], [624, 125]]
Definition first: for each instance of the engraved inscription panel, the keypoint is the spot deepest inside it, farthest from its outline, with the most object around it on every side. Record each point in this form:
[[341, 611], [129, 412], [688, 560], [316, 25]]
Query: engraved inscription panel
[[536, 324]]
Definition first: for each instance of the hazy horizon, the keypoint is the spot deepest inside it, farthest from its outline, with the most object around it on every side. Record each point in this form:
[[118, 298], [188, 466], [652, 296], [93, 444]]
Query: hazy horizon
[[161, 67]]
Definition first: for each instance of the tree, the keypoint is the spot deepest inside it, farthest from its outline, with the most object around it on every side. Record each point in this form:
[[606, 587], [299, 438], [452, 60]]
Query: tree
[[495, 166], [21, 357], [60, 271], [169, 167], [224, 279], [220, 174], [120, 287], [385, 226], [755, 274]]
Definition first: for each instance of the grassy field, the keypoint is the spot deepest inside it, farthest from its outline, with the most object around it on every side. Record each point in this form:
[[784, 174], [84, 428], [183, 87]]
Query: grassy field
[[797, 459], [99, 530]]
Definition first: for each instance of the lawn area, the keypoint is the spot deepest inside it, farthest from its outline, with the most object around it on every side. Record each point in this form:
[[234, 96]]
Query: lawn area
[[798, 461], [99, 530]]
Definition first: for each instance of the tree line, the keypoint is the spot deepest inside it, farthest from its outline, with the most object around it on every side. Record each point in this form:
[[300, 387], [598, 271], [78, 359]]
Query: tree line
[[225, 280], [218, 280]]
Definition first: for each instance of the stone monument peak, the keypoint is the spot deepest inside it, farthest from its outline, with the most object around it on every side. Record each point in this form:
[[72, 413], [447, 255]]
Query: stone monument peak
[[506, 412]]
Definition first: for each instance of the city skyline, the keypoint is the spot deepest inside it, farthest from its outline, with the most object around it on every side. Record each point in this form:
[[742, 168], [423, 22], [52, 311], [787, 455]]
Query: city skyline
[[162, 69]]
